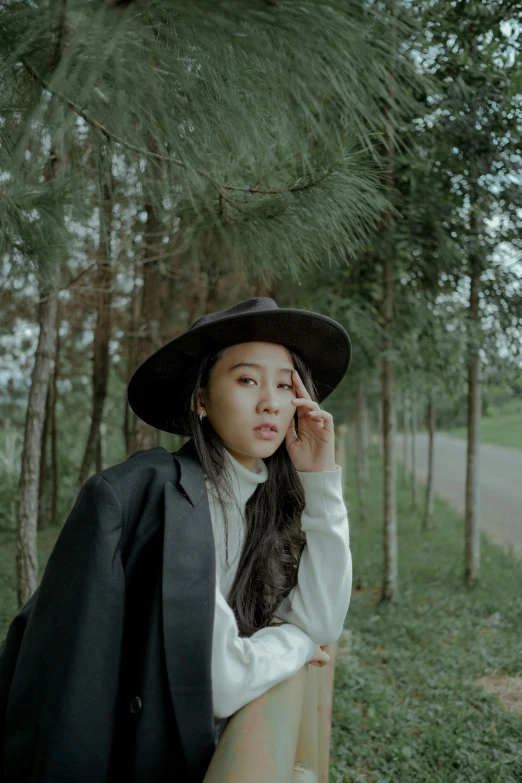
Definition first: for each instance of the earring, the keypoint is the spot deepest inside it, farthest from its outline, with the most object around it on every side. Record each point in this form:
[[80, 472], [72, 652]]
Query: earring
[[201, 415]]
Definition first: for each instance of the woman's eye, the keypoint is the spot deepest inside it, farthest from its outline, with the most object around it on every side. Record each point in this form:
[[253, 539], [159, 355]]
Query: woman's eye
[[288, 386]]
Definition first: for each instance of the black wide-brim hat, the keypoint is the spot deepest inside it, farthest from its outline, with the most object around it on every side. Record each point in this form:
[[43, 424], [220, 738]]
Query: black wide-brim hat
[[159, 384]]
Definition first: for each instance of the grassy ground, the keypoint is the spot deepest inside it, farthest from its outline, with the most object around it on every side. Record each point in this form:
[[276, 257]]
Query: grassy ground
[[503, 430], [406, 706]]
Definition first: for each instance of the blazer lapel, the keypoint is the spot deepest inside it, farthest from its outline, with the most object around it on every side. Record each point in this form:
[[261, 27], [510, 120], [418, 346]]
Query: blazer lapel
[[188, 587]]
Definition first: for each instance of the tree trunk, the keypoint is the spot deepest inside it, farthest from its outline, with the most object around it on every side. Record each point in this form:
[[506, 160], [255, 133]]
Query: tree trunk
[[472, 530], [102, 332], [142, 435], [365, 429], [27, 518], [340, 449], [128, 418], [428, 509], [380, 434], [359, 449], [390, 584], [54, 438], [197, 298], [42, 520], [129, 421], [98, 458], [342, 454], [390, 576], [413, 421], [405, 429], [26, 543]]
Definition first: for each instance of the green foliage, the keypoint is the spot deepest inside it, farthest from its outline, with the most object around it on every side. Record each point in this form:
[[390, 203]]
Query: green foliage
[[454, 202], [406, 705], [253, 124]]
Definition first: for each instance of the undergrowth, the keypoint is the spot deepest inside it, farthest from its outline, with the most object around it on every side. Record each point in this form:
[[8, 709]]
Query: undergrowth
[[405, 704]]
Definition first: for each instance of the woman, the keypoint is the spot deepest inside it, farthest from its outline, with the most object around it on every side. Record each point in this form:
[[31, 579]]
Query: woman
[[159, 614]]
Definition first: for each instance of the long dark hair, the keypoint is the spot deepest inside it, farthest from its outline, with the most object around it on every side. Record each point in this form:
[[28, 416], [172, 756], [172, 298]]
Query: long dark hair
[[269, 559]]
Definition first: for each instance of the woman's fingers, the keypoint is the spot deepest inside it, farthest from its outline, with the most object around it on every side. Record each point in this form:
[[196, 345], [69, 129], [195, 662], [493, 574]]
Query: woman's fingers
[[299, 402], [299, 386], [320, 657], [323, 417]]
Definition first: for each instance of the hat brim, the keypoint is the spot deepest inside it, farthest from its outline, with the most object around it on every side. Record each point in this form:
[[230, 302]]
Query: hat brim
[[157, 386]]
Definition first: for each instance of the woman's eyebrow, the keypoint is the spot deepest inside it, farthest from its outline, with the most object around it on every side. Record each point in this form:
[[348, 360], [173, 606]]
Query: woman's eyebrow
[[258, 367]]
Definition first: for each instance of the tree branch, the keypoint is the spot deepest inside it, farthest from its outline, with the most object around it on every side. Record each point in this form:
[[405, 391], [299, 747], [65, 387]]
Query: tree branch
[[110, 136]]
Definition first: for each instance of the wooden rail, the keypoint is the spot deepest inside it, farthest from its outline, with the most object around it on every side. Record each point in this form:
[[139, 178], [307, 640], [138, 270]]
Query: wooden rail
[[283, 736]]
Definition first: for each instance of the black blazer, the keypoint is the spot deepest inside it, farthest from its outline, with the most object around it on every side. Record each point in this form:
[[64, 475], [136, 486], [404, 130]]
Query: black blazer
[[106, 671]]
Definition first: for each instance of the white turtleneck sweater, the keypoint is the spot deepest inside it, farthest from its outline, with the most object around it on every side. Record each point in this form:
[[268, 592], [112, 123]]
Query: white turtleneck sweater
[[313, 612]]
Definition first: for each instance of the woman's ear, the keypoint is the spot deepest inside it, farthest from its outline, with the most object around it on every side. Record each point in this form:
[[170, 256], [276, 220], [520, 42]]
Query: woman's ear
[[200, 402]]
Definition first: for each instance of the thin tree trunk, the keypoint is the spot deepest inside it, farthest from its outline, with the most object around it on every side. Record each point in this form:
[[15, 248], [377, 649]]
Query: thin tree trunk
[[98, 458], [26, 543], [359, 449], [102, 332], [428, 509], [364, 430], [27, 518], [413, 452], [342, 454], [197, 298], [42, 521], [390, 583], [390, 576], [340, 448], [380, 436], [54, 437], [404, 436], [129, 420], [472, 530], [143, 436]]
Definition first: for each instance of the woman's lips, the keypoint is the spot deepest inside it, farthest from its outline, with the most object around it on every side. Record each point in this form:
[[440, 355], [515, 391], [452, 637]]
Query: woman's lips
[[266, 434]]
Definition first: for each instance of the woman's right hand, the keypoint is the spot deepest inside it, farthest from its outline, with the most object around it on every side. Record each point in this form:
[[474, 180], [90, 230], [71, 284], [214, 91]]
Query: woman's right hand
[[320, 657]]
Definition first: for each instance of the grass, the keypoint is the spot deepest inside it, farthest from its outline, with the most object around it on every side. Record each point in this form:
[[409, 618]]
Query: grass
[[406, 706], [503, 430]]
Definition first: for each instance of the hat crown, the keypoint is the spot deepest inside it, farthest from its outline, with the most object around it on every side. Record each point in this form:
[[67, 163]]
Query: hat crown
[[255, 305]]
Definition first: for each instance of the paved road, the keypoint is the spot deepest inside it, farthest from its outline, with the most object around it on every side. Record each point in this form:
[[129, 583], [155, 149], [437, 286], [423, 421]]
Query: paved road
[[500, 483]]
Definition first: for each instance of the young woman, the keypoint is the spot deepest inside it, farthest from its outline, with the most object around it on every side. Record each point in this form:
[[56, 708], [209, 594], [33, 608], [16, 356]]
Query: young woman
[[185, 586]]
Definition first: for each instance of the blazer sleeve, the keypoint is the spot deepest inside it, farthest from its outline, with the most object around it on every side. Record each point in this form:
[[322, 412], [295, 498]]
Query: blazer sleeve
[[59, 665], [319, 601], [243, 668]]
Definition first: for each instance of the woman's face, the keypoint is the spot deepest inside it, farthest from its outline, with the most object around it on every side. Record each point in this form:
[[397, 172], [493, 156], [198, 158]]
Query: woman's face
[[240, 398]]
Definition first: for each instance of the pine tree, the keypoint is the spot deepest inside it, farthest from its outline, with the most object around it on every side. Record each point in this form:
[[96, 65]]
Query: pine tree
[[246, 131]]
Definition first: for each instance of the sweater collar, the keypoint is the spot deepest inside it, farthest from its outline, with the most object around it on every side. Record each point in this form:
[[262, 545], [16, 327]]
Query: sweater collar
[[245, 481]]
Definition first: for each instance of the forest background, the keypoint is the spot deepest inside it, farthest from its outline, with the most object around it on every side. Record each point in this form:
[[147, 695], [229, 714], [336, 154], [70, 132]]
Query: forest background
[[162, 160]]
